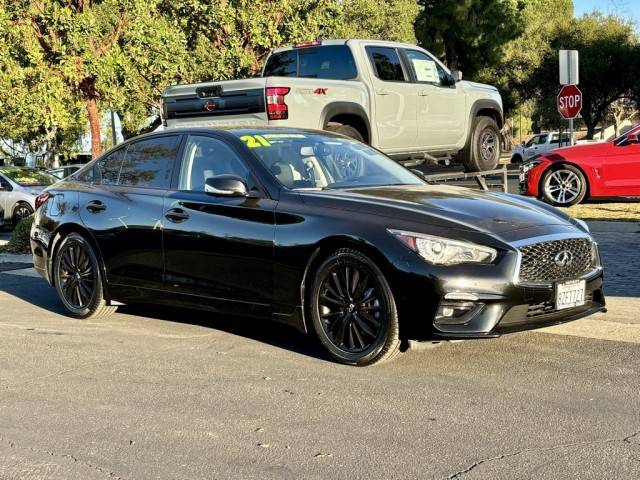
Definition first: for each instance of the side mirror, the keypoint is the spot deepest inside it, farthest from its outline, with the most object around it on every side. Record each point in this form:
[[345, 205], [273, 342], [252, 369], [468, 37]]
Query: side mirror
[[226, 186], [456, 75], [523, 143], [632, 138]]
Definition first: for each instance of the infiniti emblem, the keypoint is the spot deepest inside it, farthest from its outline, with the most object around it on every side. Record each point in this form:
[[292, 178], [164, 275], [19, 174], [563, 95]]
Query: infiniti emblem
[[563, 258]]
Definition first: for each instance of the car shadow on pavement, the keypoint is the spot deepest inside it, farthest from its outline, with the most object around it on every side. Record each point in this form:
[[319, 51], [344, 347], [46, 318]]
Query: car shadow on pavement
[[261, 330]]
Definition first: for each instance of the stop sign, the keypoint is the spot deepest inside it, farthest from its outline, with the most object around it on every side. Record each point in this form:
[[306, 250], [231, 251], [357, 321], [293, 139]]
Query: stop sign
[[569, 101]]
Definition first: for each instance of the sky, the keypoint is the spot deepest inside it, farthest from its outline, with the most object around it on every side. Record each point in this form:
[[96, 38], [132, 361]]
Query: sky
[[628, 9]]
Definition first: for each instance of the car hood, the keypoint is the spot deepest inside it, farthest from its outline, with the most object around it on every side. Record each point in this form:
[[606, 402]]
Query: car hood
[[578, 151], [490, 212]]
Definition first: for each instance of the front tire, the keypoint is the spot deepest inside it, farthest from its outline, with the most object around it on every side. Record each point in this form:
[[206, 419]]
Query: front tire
[[564, 186], [78, 279], [353, 310], [482, 151]]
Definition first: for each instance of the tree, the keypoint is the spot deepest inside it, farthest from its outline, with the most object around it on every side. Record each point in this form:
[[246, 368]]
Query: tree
[[92, 52], [513, 71], [609, 64], [468, 34]]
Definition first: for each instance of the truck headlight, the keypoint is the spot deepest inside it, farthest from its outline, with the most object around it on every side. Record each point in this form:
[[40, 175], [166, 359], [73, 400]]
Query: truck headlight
[[445, 251]]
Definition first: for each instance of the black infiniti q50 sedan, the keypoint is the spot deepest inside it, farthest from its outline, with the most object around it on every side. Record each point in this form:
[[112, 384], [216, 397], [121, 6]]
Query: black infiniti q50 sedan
[[312, 229]]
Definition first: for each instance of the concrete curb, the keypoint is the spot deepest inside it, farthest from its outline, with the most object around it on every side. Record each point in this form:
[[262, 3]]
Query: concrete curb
[[16, 258], [599, 226]]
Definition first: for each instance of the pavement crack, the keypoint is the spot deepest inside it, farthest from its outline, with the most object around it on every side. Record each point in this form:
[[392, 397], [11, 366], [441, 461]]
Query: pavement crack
[[502, 456], [73, 458]]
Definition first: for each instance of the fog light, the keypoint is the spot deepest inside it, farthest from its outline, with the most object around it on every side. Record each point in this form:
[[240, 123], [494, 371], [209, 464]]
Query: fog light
[[457, 313]]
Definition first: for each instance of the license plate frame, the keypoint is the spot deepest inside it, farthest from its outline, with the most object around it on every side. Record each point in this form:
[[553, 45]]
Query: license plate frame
[[570, 294]]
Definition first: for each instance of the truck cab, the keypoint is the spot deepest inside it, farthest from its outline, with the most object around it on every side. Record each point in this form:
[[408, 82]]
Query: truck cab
[[394, 96]]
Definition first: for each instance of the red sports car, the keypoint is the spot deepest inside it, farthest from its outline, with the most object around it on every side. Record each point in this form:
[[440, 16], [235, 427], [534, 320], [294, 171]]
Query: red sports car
[[566, 176]]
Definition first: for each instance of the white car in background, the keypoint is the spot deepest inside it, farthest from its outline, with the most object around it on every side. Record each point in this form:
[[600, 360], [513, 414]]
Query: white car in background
[[539, 143], [19, 187]]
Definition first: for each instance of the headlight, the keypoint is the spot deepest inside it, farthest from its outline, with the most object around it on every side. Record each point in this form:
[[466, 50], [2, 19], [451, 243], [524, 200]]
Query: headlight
[[528, 165], [445, 251]]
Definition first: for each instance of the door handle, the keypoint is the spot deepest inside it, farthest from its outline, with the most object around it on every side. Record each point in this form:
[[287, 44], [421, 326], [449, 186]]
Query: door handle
[[424, 93], [382, 91], [176, 215], [96, 206]]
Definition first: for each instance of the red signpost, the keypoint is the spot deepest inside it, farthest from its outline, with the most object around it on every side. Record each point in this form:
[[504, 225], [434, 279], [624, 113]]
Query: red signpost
[[569, 101]]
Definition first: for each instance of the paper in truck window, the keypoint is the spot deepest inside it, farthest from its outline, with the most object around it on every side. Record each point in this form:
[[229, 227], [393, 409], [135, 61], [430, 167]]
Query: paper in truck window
[[426, 70]]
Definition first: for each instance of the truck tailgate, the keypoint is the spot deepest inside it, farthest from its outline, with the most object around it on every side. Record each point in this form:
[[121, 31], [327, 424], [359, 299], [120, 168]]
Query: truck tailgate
[[232, 102]]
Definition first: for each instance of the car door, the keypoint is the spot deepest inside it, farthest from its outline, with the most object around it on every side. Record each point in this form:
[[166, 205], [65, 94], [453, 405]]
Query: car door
[[535, 146], [394, 100], [621, 168], [5, 189], [122, 207], [441, 103], [219, 248]]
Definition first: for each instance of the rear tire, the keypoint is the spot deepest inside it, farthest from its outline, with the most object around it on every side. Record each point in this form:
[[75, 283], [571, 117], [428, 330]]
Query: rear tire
[[346, 130], [78, 279], [482, 151], [353, 310], [21, 211]]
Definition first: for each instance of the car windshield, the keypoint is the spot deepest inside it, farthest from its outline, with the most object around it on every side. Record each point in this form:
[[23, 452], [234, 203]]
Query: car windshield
[[635, 128], [29, 177], [306, 160]]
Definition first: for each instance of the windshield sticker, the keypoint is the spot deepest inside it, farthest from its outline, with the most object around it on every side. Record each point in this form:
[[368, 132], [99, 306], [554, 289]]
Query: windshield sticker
[[284, 135], [426, 70], [255, 141]]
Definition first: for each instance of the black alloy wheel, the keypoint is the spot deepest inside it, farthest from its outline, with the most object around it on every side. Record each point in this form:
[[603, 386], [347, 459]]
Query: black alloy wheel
[[78, 280], [353, 310], [21, 211]]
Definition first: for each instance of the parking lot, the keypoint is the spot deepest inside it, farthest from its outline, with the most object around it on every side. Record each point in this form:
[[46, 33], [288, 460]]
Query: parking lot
[[157, 393]]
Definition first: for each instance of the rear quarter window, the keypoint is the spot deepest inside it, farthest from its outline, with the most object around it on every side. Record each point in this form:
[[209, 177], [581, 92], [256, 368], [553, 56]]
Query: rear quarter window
[[330, 62]]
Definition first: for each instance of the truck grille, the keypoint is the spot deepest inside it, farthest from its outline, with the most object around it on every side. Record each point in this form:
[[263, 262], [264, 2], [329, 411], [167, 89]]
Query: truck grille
[[538, 264]]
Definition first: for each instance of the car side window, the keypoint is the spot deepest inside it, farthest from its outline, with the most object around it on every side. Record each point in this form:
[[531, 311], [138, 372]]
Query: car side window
[[426, 69], [386, 64], [149, 163], [5, 185], [206, 157], [107, 170]]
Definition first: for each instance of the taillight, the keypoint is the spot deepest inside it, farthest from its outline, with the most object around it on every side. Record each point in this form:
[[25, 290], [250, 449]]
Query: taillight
[[276, 107], [40, 199], [313, 43]]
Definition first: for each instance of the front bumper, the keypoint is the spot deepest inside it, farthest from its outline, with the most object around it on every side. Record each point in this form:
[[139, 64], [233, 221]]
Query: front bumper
[[524, 307]]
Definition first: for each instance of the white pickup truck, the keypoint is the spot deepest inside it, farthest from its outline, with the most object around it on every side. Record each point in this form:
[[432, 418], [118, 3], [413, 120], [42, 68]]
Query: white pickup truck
[[394, 96]]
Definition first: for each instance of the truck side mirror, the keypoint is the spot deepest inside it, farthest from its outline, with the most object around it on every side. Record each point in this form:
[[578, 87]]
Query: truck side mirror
[[456, 75]]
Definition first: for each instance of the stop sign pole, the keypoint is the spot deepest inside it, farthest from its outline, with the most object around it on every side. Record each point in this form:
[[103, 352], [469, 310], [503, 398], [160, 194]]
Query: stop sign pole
[[570, 97]]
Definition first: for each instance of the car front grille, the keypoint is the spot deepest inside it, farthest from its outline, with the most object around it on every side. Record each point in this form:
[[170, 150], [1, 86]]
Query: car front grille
[[539, 265]]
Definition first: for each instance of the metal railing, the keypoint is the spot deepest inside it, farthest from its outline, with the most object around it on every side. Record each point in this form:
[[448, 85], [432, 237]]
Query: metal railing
[[479, 177]]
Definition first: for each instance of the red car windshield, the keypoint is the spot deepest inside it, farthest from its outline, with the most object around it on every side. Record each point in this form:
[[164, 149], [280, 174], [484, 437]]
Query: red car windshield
[[635, 129]]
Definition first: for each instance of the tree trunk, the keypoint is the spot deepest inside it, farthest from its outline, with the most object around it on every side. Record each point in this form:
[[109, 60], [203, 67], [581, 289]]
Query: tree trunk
[[94, 126], [88, 88]]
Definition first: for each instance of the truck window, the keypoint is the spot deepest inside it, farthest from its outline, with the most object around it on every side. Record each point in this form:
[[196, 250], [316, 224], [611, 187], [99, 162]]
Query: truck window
[[426, 69], [282, 64], [386, 64], [332, 62]]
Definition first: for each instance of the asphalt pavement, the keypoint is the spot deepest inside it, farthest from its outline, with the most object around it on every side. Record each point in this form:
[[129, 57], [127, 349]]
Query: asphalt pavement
[[161, 393]]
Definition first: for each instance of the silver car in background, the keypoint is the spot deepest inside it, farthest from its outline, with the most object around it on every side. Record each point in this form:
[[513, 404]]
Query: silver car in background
[[19, 187]]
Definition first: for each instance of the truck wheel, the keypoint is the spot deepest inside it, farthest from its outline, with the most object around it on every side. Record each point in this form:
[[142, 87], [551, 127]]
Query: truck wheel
[[482, 151], [346, 130]]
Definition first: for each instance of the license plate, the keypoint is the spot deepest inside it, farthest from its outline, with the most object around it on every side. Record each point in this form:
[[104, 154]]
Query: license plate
[[522, 177], [570, 294]]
